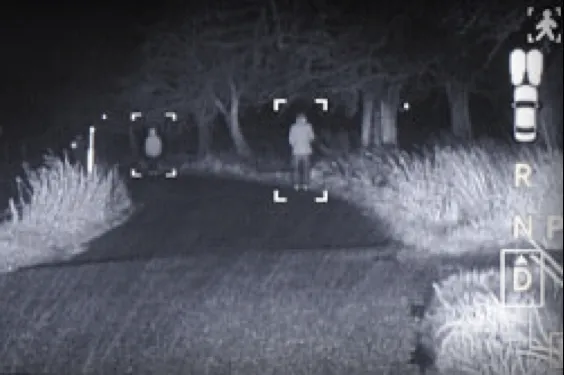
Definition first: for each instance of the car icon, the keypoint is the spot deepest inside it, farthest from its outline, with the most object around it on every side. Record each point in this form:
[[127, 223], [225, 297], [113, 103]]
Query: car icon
[[525, 105]]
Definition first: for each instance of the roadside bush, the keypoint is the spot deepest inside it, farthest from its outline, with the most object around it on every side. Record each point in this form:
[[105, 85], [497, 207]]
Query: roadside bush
[[58, 208], [461, 199], [469, 331]]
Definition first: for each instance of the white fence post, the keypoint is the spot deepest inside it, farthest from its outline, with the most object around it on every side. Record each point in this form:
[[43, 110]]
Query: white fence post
[[90, 151]]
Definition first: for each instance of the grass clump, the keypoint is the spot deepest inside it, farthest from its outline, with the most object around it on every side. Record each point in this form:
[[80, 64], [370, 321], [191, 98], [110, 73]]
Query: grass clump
[[469, 331], [58, 208], [460, 199], [358, 176]]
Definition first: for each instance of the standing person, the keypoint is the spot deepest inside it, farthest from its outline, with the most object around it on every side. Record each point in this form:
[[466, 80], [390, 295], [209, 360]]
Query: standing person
[[153, 149], [301, 138]]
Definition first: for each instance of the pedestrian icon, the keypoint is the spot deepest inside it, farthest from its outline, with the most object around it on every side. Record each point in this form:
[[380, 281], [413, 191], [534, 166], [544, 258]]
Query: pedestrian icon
[[547, 27]]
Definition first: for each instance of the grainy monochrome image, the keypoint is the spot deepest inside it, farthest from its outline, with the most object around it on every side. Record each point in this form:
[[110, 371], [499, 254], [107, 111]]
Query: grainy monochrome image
[[281, 187]]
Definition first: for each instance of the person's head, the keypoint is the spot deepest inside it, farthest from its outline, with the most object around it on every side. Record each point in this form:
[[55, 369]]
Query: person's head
[[301, 119], [152, 132]]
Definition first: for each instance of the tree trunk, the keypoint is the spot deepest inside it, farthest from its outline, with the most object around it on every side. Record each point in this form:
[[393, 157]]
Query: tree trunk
[[231, 116], [241, 146], [459, 101], [376, 126], [389, 111], [234, 126], [367, 119], [204, 138], [204, 116]]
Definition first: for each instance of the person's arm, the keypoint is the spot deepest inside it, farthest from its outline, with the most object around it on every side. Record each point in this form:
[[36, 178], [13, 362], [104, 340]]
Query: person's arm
[[292, 136]]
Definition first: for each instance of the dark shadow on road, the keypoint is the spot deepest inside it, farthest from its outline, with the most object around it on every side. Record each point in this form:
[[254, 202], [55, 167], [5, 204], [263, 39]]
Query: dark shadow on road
[[200, 214]]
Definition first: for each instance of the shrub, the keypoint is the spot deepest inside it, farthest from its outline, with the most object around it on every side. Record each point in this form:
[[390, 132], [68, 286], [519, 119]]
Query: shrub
[[469, 331], [456, 200], [59, 207], [355, 177]]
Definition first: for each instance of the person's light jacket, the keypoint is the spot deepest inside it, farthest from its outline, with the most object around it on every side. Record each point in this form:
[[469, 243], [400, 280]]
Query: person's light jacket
[[153, 144], [301, 137]]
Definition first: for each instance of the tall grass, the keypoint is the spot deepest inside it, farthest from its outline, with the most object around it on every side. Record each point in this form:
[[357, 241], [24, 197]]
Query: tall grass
[[456, 200], [469, 331], [59, 207]]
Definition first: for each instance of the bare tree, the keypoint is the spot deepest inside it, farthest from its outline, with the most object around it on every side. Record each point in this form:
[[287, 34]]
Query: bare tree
[[372, 68], [220, 64], [276, 56], [257, 55], [182, 70], [467, 39], [225, 46]]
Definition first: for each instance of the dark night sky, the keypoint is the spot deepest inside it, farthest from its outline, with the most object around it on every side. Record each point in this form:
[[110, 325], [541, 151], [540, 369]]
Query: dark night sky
[[47, 47]]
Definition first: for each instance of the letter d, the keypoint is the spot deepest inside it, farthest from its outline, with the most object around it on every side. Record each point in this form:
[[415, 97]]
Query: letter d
[[519, 286]]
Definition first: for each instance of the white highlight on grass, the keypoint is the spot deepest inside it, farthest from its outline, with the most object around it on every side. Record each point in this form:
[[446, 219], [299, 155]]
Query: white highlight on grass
[[324, 198], [324, 102], [135, 115], [277, 102], [171, 115], [172, 173], [90, 151], [276, 198]]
